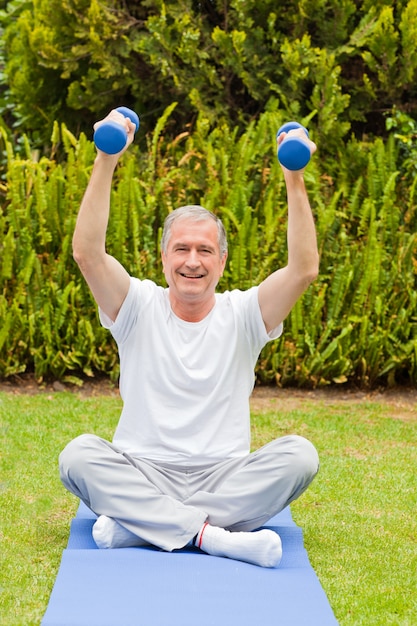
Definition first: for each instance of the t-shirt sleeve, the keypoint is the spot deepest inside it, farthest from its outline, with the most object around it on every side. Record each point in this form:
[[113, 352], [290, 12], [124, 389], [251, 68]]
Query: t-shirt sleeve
[[248, 303], [137, 296], [275, 332]]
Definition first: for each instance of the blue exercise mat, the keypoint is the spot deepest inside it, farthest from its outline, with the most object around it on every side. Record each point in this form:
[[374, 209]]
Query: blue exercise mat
[[149, 587]]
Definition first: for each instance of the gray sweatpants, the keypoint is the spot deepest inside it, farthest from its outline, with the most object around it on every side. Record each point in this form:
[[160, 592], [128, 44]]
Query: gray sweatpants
[[167, 505]]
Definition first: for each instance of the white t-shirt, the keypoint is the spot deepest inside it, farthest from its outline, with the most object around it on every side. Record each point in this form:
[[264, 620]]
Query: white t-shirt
[[185, 386]]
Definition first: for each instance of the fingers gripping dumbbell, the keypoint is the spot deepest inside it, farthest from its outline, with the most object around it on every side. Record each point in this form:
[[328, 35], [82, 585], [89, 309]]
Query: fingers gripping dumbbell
[[110, 137], [293, 152]]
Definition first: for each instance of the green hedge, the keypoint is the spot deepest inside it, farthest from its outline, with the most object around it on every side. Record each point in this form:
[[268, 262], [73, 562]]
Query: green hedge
[[345, 62], [357, 322]]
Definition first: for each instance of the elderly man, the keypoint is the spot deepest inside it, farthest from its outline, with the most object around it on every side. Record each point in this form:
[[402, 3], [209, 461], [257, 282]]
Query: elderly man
[[179, 470]]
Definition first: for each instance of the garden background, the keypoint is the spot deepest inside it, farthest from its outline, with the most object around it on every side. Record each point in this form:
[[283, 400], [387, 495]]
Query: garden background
[[212, 82]]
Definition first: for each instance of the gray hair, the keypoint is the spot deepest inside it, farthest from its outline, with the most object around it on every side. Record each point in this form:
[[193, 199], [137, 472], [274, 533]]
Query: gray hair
[[196, 213]]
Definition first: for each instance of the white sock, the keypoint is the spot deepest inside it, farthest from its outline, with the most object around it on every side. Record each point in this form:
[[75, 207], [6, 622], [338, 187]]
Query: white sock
[[107, 533], [262, 547]]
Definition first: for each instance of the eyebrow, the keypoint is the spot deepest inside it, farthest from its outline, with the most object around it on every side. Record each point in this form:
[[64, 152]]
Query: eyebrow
[[207, 246]]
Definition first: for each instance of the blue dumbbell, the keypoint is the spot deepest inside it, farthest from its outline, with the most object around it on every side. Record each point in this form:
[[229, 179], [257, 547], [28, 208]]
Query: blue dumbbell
[[111, 137], [293, 152]]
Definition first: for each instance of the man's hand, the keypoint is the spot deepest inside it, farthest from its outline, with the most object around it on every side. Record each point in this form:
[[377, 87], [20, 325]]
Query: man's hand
[[114, 134], [300, 135]]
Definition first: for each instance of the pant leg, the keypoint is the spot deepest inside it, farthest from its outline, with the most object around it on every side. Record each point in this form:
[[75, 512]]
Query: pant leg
[[245, 494], [134, 493]]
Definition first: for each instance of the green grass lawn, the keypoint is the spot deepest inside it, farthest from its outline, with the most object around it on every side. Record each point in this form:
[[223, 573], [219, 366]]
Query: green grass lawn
[[358, 517]]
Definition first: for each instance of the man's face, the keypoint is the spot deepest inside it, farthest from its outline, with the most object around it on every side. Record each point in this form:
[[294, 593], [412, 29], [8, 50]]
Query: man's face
[[192, 263]]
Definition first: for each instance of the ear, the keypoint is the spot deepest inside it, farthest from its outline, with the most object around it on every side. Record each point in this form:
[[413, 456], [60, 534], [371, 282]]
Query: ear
[[223, 263]]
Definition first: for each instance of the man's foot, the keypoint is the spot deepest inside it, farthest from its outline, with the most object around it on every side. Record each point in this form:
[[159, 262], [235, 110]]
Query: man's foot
[[107, 533], [262, 547]]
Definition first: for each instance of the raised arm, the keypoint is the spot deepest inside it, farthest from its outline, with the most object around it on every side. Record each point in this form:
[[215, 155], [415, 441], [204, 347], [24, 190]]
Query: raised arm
[[279, 292], [106, 277]]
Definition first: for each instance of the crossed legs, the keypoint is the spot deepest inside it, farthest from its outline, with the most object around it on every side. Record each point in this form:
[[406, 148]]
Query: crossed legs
[[141, 502]]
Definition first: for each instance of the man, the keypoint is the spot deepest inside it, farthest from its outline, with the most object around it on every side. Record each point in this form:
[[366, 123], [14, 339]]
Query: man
[[179, 470]]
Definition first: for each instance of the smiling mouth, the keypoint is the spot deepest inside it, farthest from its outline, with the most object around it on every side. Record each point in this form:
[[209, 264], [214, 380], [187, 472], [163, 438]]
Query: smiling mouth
[[192, 276]]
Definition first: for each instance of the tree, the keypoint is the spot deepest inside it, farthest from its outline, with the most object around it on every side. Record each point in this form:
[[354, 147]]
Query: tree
[[341, 63]]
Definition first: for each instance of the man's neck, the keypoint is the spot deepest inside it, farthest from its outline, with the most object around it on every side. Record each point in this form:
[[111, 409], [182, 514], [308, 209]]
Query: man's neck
[[190, 311]]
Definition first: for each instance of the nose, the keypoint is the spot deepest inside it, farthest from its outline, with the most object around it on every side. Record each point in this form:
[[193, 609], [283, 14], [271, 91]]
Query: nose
[[193, 259]]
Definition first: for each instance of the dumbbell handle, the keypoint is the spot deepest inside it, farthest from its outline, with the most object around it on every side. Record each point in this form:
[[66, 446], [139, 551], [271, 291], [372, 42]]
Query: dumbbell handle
[[293, 152], [110, 137]]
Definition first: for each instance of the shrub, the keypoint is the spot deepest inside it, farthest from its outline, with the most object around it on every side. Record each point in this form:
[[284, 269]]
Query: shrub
[[356, 323]]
